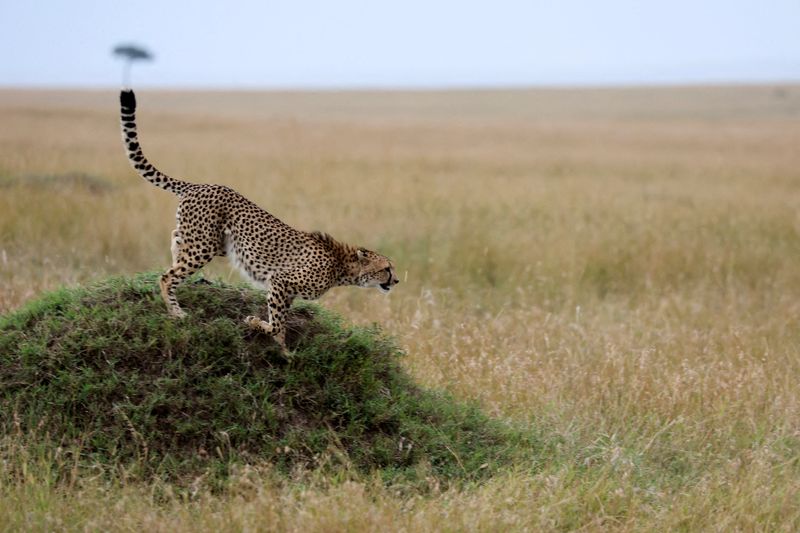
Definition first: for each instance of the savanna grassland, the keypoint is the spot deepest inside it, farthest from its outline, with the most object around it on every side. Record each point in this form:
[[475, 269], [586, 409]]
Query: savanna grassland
[[617, 271]]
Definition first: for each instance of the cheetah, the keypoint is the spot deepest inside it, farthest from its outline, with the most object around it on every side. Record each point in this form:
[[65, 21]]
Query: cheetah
[[215, 220]]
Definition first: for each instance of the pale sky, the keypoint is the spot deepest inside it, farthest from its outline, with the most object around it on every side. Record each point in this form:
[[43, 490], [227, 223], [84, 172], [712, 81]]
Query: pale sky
[[405, 43]]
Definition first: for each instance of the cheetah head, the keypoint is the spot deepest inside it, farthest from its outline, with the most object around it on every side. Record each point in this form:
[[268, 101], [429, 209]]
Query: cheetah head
[[375, 270]]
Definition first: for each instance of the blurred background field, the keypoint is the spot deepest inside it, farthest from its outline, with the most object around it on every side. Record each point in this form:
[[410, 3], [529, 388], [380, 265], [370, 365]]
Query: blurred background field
[[617, 268]]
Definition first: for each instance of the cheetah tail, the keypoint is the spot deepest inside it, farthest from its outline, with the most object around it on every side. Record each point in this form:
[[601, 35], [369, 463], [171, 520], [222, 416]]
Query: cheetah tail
[[130, 139]]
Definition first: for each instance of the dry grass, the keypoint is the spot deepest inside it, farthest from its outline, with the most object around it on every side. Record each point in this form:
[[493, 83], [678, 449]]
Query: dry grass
[[617, 268]]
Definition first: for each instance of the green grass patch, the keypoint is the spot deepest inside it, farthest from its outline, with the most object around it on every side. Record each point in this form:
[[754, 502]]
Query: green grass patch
[[102, 375]]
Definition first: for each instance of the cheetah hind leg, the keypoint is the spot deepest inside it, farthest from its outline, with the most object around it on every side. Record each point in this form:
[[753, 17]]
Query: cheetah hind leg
[[187, 262], [175, 244]]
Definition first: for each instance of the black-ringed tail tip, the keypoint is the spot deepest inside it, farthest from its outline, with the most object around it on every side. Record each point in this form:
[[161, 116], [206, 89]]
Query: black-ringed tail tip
[[127, 99]]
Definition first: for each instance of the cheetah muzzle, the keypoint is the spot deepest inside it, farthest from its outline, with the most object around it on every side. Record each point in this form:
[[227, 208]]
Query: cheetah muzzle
[[215, 220]]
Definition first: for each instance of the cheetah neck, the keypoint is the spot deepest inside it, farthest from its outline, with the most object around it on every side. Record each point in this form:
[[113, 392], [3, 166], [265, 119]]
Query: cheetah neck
[[344, 257], [348, 268]]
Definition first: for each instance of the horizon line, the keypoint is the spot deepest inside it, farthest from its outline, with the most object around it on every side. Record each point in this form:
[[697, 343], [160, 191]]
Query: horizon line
[[455, 87]]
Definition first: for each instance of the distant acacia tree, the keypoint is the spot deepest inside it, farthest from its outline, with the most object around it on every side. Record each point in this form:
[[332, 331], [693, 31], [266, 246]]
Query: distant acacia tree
[[130, 53]]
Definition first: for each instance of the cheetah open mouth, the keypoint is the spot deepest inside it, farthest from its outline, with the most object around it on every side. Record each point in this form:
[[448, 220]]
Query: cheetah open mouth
[[386, 286]]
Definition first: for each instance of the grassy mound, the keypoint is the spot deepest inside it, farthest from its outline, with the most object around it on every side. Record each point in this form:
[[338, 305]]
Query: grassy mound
[[103, 372]]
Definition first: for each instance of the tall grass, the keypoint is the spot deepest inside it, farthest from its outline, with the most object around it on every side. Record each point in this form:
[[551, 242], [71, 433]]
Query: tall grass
[[616, 268]]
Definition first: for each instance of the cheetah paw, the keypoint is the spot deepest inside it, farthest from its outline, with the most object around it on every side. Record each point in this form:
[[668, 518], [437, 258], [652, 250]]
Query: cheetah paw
[[177, 313], [256, 323]]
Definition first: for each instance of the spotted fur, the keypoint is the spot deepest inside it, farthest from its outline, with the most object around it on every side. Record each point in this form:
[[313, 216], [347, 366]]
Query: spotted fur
[[215, 220]]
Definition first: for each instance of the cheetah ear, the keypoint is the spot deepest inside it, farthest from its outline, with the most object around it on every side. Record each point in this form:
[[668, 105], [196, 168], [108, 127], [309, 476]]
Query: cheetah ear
[[362, 256]]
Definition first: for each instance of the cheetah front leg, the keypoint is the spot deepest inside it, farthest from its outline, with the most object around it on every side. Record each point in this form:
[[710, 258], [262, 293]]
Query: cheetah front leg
[[278, 303]]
